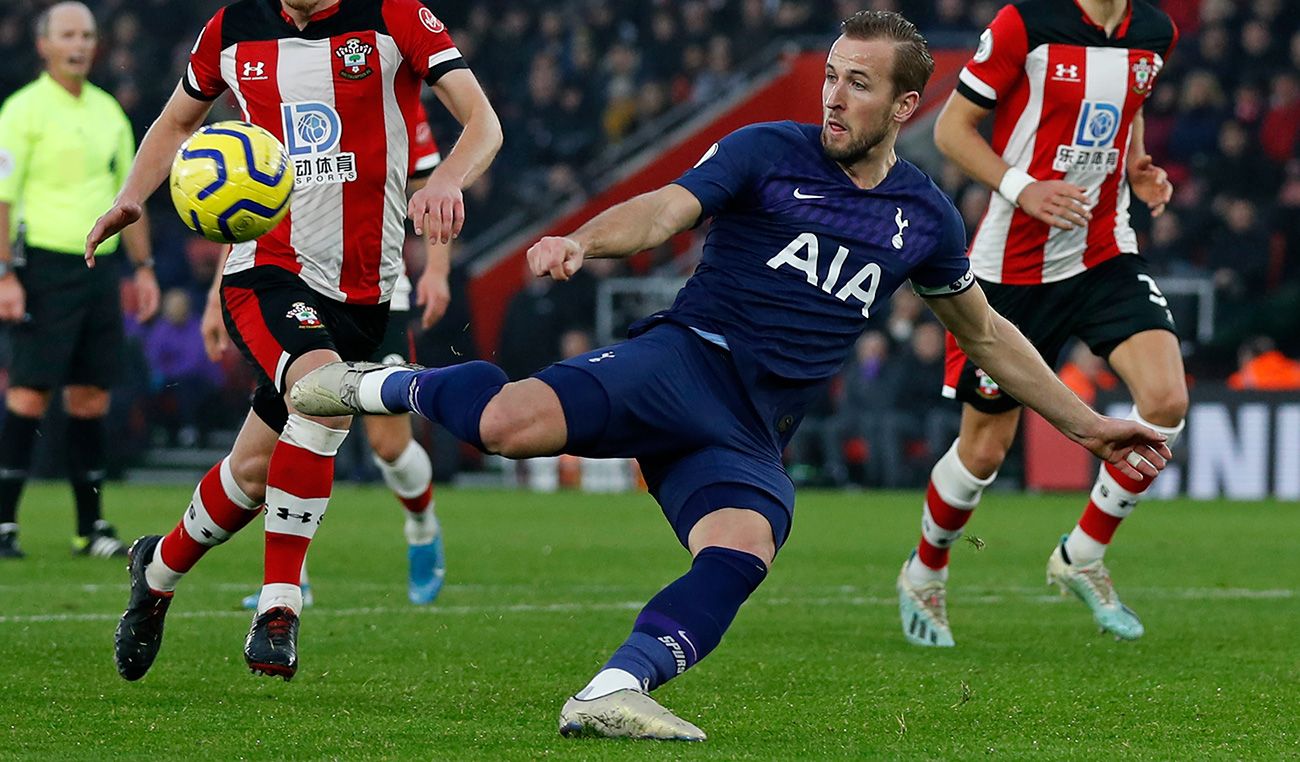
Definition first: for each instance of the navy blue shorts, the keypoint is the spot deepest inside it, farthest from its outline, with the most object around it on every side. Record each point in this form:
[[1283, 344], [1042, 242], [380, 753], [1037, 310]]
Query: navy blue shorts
[[677, 404]]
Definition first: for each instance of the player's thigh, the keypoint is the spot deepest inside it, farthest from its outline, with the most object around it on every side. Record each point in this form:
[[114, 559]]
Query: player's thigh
[[1040, 312], [662, 393], [1151, 365], [699, 484], [273, 318], [983, 439]]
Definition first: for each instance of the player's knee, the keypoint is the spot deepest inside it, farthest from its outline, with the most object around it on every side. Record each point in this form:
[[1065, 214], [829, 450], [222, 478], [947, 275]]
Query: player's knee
[[741, 529], [249, 470], [501, 426], [1167, 407], [983, 456], [523, 420], [387, 442], [29, 403], [85, 401]]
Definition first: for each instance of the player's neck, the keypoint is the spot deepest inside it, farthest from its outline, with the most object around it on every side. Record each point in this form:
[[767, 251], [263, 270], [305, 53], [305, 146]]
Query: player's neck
[[72, 83], [872, 169], [1107, 14], [301, 17]]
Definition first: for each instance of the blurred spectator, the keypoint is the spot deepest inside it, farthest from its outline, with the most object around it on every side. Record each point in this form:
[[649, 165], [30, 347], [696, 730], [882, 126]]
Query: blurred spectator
[[1264, 368], [184, 380], [920, 425], [869, 386], [1277, 134], [1086, 373]]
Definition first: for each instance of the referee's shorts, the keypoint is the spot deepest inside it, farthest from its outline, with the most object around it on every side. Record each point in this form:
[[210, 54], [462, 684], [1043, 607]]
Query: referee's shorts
[[72, 333]]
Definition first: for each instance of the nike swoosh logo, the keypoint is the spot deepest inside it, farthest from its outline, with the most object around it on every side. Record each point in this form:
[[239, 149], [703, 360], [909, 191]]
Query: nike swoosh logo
[[804, 196]]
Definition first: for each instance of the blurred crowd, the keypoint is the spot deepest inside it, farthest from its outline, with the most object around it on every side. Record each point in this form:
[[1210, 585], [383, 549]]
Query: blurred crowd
[[576, 81]]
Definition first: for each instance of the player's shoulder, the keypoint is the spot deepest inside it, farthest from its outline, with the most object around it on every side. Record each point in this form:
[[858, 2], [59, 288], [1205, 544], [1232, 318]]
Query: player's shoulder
[[770, 133]]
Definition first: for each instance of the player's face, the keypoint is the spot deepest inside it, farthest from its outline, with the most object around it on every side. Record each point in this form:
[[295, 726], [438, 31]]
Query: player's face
[[858, 100], [68, 47]]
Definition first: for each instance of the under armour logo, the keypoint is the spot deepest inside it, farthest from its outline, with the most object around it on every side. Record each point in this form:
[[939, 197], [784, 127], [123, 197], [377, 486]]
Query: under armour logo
[[304, 517], [902, 225], [603, 356], [207, 533], [1067, 71], [254, 69]]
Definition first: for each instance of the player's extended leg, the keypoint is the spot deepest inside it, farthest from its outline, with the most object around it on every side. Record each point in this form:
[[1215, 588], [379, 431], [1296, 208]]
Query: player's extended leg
[[1151, 365], [475, 401], [732, 549], [956, 483], [226, 500], [409, 474], [86, 407], [299, 479], [24, 409]]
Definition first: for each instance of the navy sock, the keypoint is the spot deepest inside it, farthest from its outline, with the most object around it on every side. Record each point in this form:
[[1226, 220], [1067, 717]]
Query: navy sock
[[454, 396], [85, 441], [17, 440], [686, 620]]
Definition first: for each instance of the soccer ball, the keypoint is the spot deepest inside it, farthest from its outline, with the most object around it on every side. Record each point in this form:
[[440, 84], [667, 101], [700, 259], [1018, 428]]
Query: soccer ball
[[231, 182]]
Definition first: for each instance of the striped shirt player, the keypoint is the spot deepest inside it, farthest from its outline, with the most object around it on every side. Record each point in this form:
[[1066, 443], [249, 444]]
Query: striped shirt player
[[337, 81], [1065, 81]]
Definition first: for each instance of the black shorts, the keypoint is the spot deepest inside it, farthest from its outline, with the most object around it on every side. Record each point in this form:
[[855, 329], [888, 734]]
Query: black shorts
[[398, 345], [73, 333], [275, 318], [1101, 307]]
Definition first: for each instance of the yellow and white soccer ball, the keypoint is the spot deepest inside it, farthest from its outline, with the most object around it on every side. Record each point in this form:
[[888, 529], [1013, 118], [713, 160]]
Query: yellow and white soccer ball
[[232, 181]]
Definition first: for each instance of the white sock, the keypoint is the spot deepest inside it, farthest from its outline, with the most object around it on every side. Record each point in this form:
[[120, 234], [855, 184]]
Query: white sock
[[158, 575], [280, 594], [368, 391], [608, 681], [303, 581], [920, 574], [1081, 548]]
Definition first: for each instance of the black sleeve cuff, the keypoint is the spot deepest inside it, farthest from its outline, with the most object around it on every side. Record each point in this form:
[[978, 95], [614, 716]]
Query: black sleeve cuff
[[420, 174], [959, 286], [196, 94], [975, 97], [439, 71]]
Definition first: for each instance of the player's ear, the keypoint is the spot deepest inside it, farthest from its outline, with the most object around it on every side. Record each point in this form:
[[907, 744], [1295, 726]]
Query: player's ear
[[905, 105]]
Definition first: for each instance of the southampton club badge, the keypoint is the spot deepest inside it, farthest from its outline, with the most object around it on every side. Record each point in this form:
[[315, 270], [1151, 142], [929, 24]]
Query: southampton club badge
[[1144, 72], [354, 53], [305, 315], [986, 387]]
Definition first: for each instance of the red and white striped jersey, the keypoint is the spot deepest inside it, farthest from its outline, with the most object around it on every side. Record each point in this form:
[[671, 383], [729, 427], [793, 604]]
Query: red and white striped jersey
[[424, 157], [341, 94], [1064, 95]]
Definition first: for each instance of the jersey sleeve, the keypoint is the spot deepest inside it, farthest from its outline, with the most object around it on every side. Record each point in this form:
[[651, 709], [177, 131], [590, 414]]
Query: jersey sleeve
[[15, 150], [203, 74], [999, 61], [422, 39], [724, 172], [946, 272], [424, 151]]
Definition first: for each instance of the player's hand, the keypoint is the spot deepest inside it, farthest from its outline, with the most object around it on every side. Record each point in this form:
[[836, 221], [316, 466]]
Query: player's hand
[[1137, 451], [1151, 184], [213, 328], [433, 294], [13, 300], [110, 224], [1058, 203], [555, 256], [147, 295], [438, 209]]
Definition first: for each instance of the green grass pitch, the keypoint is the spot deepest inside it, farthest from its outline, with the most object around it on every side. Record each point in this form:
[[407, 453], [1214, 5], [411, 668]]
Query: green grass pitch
[[542, 588]]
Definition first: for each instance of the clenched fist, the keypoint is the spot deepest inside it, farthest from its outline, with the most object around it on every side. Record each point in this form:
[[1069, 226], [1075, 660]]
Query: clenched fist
[[555, 256]]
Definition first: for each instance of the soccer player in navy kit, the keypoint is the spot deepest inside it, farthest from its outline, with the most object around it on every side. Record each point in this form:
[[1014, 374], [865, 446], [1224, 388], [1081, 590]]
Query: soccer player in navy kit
[[813, 226]]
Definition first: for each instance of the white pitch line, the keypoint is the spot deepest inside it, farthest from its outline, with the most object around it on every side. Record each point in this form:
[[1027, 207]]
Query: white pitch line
[[1019, 594]]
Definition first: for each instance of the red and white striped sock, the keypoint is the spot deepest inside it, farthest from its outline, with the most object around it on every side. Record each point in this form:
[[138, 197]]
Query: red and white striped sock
[[949, 502], [218, 509], [298, 483], [1113, 498], [410, 477]]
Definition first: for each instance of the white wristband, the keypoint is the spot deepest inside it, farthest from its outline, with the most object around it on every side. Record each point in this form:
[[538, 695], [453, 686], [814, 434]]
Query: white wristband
[[1014, 183]]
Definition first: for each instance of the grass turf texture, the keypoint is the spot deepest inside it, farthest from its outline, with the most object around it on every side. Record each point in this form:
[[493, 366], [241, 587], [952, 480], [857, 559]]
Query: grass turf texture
[[542, 588]]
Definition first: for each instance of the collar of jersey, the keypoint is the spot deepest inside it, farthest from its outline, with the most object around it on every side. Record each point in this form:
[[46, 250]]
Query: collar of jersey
[[47, 82], [1121, 31], [320, 16]]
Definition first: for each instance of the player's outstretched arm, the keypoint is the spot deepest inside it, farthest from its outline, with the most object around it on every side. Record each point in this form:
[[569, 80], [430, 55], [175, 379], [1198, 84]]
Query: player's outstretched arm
[[956, 134], [179, 119], [998, 347], [640, 223], [433, 289], [438, 209]]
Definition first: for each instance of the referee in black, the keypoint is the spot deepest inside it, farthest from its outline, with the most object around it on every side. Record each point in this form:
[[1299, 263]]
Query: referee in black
[[65, 148]]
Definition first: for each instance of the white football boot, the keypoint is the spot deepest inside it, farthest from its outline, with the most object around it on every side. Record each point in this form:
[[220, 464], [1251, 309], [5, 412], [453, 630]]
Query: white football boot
[[1091, 583], [923, 610], [336, 389], [625, 713]]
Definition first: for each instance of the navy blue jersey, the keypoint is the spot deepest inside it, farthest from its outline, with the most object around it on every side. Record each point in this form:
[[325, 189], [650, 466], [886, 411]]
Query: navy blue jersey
[[798, 257]]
